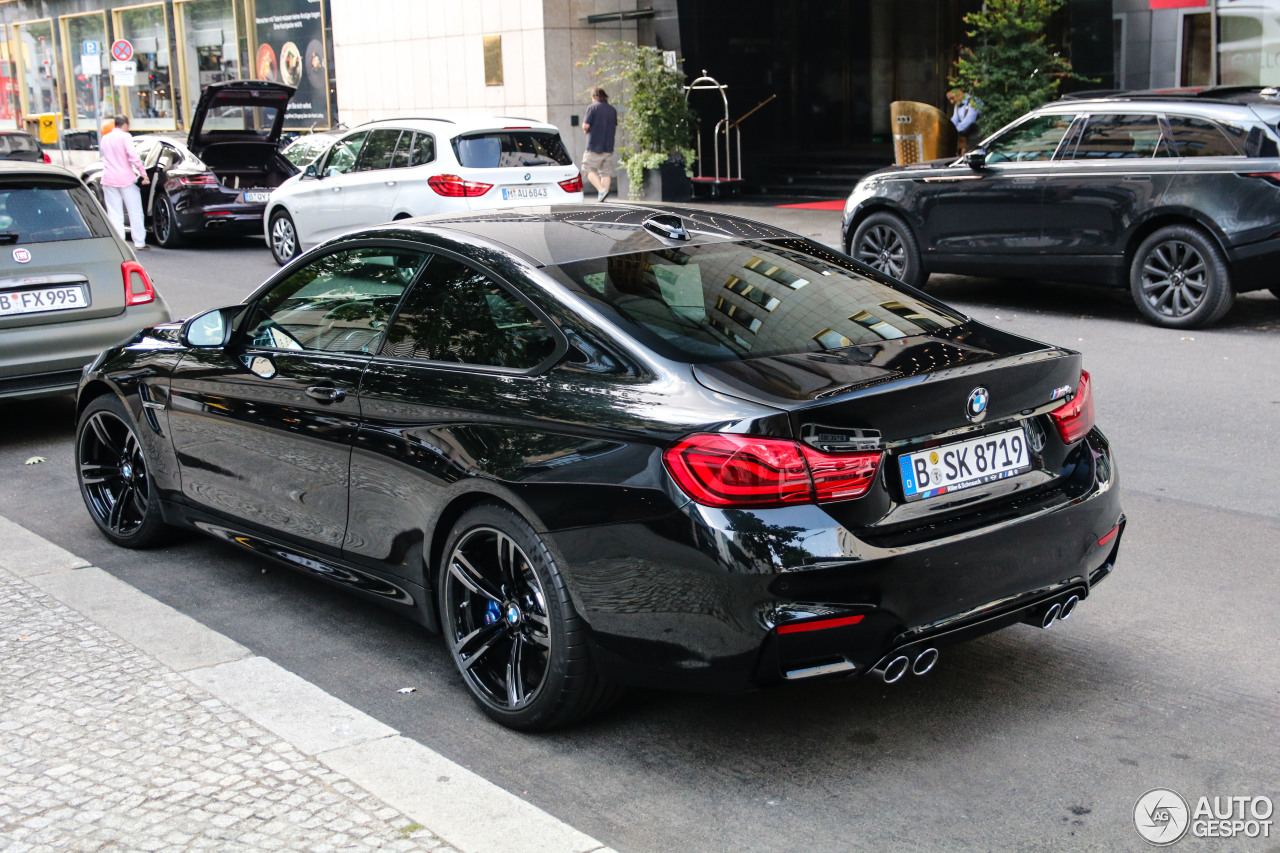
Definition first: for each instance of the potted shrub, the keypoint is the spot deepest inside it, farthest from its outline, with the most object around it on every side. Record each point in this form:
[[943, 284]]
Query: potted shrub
[[655, 123]]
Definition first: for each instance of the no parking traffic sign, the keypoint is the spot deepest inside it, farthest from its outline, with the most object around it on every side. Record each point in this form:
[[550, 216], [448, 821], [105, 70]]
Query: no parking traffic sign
[[121, 50]]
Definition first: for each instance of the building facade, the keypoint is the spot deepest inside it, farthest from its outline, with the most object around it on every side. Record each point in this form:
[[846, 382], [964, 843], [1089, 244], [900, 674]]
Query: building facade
[[56, 57], [822, 72], [1164, 44]]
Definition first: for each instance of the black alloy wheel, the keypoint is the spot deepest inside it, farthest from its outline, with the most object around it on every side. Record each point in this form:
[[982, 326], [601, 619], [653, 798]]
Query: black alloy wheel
[[885, 242], [511, 628], [283, 237], [115, 481], [1179, 279], [164, 222]]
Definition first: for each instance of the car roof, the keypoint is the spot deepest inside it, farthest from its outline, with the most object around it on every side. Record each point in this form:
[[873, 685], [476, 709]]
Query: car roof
[[552, 235], [451, 125], [20, 168], [1225, 102]]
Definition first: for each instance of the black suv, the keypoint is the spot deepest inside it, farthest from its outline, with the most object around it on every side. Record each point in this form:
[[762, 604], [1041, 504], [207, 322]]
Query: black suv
[[1175, 196]]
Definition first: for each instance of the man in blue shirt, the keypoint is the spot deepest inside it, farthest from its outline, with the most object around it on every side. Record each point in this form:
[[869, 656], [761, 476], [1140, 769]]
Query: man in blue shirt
[[965, 118], [600, 124]]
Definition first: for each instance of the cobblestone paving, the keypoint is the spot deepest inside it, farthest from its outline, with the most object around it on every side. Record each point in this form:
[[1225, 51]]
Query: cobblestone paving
[[104, 748]]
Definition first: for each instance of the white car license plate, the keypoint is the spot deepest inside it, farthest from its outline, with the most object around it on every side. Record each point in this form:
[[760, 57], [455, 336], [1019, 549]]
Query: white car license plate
[[256, 198], [509, 193], [45, 299], [964, 464]]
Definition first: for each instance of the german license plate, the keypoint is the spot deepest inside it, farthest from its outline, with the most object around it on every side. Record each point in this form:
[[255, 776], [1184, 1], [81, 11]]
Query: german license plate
[[509, 193], [964, 464], [256, 197], [45, 299]]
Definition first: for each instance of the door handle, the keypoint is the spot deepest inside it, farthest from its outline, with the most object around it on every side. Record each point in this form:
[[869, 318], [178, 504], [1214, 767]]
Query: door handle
[[391, 183], [336, 189], [1146, 179], [326, 393]]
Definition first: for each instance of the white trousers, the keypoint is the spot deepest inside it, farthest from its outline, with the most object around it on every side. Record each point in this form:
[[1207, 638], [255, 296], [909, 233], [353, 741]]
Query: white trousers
[[118, 200]]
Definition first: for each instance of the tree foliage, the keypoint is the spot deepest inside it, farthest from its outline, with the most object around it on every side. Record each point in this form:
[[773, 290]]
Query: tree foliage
[[655, 119], [1010, 67]]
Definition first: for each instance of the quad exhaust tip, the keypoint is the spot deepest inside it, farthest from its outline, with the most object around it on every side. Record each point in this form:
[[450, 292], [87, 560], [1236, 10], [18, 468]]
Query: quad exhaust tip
[[899, 667], [1068, 607], [924, 662], [1050, 614]]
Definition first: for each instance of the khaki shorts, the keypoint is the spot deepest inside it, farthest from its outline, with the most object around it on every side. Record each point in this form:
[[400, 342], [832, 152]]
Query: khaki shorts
[[600, 163]]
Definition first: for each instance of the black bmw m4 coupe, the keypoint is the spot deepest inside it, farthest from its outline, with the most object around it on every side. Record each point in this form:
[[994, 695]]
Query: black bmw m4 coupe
[[603, 445]]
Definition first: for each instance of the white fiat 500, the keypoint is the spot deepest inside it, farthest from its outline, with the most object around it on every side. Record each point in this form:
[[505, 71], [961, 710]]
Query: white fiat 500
[[398, 168]]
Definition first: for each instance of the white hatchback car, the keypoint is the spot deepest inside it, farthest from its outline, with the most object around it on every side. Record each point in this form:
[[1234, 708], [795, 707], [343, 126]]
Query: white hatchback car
[[398, 168]]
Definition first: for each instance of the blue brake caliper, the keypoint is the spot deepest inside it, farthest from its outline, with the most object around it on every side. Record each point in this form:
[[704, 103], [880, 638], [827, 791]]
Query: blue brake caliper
[[491, 613]]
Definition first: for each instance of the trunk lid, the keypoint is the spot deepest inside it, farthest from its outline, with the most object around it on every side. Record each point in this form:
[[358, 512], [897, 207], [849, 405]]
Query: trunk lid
[[525, 165], [53, 241], [239, 112], [909, 395]]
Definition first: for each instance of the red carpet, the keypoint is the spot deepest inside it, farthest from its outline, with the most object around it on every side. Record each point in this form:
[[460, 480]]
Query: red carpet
[[817, 205]]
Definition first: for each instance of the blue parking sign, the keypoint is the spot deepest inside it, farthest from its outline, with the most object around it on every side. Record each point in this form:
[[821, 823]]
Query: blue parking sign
[[89, 48]]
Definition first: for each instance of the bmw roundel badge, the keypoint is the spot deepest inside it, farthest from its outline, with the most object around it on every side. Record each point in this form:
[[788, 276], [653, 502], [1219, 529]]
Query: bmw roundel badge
[[976, 409]]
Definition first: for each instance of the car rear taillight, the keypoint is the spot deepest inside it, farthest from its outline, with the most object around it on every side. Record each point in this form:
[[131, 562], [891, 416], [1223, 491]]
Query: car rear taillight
[[1074, 418], [137, 284], [454, 187], [1269, 177], [573, 185], [722, 470], [45, 155], [204, 179]]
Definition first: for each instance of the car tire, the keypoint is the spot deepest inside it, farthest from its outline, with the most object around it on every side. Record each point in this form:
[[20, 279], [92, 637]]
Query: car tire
[[511, 627], [885, 242], [282, 236], [164, 223], [1179, 279], [115, 478]]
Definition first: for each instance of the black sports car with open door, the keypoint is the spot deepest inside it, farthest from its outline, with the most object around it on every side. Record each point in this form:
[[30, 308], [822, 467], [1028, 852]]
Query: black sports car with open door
[[219, 178], [602, 445]]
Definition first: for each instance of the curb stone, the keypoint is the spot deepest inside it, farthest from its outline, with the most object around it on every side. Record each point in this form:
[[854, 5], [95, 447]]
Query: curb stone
[[126, 722]]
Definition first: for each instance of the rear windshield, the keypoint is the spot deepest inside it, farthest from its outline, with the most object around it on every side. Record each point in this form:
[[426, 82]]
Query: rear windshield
[[515, 148], [47, 213], [240, 119], [12, 143], [735, 301]]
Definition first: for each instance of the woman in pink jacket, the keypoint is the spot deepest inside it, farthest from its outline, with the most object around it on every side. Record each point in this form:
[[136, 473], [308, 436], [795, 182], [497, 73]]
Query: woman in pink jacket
[[120, 168]]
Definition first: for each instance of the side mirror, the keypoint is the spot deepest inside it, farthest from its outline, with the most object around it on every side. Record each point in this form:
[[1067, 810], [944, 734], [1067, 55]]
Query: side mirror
[[212, 329], [975, 159], [312, 171]]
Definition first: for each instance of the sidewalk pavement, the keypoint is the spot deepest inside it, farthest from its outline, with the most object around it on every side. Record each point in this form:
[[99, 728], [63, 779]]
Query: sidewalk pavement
[[126, 725]]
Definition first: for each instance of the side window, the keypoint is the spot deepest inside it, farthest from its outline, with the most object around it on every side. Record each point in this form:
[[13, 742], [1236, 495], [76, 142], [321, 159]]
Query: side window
[[169, 157], [1109, 137], [378, 150], [403, 155], [339, 303], [342, 157], [1195, 137], [1035, 139], [424, 149], [458, 314]]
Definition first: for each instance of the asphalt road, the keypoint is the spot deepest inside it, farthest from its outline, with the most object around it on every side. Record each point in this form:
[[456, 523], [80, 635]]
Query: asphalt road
[[1022, 740]]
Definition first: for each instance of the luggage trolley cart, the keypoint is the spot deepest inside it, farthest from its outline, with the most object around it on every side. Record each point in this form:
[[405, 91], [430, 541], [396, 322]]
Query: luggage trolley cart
[[727, 128]]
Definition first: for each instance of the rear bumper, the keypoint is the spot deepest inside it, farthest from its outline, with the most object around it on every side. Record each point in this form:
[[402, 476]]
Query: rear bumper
[[1253, 266], [695, 600], [36, 361], [223, 219]]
